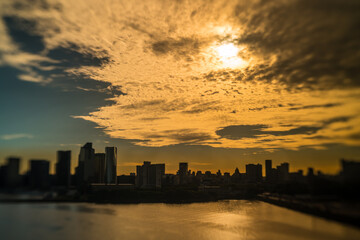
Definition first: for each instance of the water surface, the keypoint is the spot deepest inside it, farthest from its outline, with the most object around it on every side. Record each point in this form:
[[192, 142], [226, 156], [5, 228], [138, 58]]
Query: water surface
[[235, 219]]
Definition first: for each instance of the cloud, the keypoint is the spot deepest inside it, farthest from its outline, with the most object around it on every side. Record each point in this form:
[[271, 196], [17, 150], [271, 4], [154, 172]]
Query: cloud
[[254, 131], [16, 136], [168, 83], [328, 105], [186, 47]]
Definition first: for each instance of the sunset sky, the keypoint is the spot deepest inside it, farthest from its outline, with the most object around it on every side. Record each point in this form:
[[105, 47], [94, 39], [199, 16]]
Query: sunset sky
[[217, 84]]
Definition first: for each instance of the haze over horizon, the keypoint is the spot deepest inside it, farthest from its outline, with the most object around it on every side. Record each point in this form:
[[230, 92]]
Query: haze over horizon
[[217, 84]]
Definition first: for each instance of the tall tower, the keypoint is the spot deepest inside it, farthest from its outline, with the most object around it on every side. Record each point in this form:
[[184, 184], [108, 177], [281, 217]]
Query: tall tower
[[39, 177], [86, 162], [99, 167], [12, 174], [63, 168], [183, 173], [110, 165], [268, 170]]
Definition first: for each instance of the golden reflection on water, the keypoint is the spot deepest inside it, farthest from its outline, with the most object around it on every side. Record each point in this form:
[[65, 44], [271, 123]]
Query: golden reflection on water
[[218, 220]]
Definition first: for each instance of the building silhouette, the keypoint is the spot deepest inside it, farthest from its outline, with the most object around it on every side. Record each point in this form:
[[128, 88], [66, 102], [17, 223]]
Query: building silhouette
[[39, 176], [283, 172], [269, 176], [110, 165], [253, 172], [99, 167], [183, 173], [86, 163], [11, 175], [350, 171], [62, 168], [149, 175]]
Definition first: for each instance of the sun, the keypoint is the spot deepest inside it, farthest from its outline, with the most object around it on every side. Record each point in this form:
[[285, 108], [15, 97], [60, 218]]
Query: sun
[[228, 50], [228, 56]]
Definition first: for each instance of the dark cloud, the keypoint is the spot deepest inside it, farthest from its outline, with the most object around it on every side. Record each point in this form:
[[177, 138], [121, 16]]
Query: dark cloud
[[23, 32], [183, 135], [143, 104], [180, 48], [236, 132], [26, 35], [38, 4], [337, 119], [202, 107], [72, 56], [310, 44], [329, 105]]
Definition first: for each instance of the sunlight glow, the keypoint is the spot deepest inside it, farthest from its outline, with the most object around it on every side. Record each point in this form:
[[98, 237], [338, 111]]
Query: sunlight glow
[[228, 55], [227, 50]]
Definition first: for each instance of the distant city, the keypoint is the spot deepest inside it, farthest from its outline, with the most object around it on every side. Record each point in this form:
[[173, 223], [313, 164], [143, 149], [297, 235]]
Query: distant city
[[98, 170]]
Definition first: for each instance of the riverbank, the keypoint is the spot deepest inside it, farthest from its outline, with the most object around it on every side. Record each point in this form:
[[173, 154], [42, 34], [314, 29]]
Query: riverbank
[[330, 208]]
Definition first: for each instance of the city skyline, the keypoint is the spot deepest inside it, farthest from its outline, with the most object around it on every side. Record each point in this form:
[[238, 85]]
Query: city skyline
[[210, 83], [75, 163], [180, 119]]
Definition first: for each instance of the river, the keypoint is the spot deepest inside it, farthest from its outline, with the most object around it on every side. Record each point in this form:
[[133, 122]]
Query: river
[[234, 219]]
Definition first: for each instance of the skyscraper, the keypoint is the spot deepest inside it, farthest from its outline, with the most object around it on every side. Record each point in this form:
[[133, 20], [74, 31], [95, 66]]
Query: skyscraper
[[283, 172], [254, 172], [39, 174], [183, 172], [63, 166], [12, 177], [86, 168], [183, 168], [268, 170], [149, 175], [99, 167], [110, 164]]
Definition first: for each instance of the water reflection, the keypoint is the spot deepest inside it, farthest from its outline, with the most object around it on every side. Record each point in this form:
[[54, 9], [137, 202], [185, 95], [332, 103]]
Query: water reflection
[[218, 220]]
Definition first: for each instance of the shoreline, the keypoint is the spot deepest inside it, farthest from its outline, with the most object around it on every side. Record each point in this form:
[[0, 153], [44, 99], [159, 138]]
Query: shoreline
[[323, 209]]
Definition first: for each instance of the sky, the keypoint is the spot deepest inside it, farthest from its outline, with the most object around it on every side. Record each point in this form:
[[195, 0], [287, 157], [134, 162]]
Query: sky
[[217, 84]]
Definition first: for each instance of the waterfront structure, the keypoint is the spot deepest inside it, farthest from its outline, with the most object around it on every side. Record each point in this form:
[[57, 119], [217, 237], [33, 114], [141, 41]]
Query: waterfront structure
[[62, 168], [110, 165]]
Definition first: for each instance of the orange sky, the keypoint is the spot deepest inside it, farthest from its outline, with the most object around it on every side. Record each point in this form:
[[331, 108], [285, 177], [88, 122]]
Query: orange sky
[[270, 79]]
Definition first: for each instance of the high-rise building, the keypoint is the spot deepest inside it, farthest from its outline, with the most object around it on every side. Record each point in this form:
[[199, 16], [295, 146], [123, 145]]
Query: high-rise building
[[149, 175], [99, 167], [183, 168], [12, 177], [86, 168], [254, 172], [39, 174], [283, 172], [110, 165], [62, 168], [268, 170], [350, 171], [183, 173]]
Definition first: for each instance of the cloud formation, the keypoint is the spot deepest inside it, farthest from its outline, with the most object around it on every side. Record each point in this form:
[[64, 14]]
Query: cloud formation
[[16, 136], [295, 71]]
